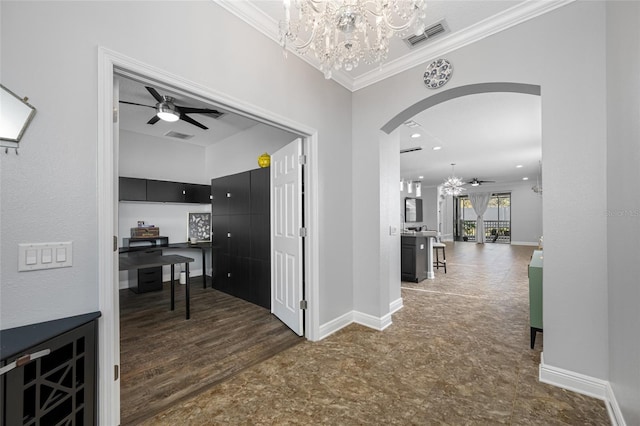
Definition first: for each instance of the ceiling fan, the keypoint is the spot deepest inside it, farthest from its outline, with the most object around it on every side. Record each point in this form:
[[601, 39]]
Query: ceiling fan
[[168, 111], [478, 182]]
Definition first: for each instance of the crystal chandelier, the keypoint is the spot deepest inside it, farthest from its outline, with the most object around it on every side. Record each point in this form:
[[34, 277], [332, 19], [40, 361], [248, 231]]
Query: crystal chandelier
[[340, 33], [453, 185]]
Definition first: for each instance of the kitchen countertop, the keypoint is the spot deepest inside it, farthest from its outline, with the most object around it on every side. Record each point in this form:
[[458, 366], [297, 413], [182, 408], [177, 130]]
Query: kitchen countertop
[[420, 234]]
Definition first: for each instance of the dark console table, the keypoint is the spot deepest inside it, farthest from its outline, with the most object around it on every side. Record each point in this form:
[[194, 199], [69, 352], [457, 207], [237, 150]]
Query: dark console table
[[48, 372], [145, 261]]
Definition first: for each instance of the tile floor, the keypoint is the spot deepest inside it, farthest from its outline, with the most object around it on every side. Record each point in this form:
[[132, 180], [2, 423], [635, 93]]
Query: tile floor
[[456, 354]]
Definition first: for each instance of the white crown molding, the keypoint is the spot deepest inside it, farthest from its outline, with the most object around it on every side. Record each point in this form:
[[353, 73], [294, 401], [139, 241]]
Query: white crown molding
[[529, 9], [492, 25], [249, 13]]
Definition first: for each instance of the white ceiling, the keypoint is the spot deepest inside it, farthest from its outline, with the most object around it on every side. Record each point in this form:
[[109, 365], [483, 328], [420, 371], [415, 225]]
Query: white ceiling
[[486, 135], [134, 118]]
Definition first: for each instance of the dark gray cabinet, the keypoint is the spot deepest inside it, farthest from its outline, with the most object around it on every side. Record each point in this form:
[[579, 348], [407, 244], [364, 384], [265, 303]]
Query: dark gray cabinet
[[413, 258], [241, 236], [135, 189], [132, 189], [231, 195], [54, 382]]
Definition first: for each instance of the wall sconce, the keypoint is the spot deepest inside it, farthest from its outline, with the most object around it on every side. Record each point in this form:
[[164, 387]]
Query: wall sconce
[[410, 187], [418, 189]]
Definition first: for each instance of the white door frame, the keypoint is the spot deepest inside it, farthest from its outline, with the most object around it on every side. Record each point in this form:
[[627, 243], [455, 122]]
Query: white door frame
[[111, 63]]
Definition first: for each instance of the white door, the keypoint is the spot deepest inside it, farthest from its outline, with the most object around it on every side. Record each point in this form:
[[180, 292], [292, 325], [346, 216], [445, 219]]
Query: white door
[[286, 240]]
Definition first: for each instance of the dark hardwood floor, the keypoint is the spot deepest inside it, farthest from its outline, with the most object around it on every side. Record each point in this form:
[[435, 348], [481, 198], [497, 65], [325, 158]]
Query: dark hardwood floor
[[165, 358]]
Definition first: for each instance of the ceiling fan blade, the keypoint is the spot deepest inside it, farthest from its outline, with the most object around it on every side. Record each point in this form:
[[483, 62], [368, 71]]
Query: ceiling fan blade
[[133, 103], [153, 120], [192, 121], [154, 93], [188, 110]]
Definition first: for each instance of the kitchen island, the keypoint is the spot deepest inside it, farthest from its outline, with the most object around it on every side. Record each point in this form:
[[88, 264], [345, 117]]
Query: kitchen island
[[416, 252]]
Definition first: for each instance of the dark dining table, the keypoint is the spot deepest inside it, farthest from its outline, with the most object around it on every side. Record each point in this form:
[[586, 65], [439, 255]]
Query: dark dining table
[[152, 259]]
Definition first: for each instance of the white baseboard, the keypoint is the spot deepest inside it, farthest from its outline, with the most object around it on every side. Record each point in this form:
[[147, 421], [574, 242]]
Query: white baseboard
[[615, 414], [396, 305], [377, 323], [334, 325], [586, 385], [524, 243]]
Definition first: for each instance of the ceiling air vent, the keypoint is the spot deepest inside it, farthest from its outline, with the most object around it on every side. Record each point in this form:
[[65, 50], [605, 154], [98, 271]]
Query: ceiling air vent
[[178, 135], [416, 148], [434, 30]]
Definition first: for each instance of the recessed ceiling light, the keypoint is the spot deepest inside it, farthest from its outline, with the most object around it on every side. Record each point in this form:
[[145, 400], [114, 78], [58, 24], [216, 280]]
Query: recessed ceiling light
[[519, 166], [420, 177], [416, 135], [436, 148], [525, 178]]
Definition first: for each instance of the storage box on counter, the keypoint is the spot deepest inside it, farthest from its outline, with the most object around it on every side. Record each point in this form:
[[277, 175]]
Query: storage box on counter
[[145, 232]]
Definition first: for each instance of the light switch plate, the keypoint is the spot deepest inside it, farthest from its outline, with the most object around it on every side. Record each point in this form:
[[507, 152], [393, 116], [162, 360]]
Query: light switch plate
[[35, 256]]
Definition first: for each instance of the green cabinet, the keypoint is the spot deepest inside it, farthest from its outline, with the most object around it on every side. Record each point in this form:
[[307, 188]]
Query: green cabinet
[[535, 294]]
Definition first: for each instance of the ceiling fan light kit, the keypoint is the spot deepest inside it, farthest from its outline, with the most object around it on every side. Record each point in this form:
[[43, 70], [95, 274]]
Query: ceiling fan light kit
[[167, 110], [341, 33]]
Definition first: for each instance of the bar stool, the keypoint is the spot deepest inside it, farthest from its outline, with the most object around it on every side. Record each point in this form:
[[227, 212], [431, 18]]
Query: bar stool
[[437, 247]]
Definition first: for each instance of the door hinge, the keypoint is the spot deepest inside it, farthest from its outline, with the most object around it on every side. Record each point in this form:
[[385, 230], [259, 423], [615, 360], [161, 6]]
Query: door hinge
[[303, 232], [303, 304], [302, 159], [116, 372], [115, 243]]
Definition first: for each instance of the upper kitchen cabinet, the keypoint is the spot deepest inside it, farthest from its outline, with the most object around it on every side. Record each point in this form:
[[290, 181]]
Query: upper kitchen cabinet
[[165, 191], [231, 194], [133, 189], [195, 193]]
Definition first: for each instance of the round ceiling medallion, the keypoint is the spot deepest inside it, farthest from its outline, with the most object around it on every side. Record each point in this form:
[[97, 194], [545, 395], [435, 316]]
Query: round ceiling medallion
[[438, 73]]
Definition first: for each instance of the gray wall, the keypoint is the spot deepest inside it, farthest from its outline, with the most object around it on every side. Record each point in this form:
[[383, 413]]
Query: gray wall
[[240, 152], [144, 156], [49, 191], [623, 204], [552, 51]]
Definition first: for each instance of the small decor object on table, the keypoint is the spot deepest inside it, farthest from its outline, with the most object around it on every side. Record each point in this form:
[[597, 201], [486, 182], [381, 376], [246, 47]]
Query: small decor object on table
[[438, 73], [145, 232], [199, 227]]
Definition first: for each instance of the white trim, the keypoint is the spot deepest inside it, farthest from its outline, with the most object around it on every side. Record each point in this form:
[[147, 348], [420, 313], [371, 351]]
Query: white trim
[[583, 384], [377, 323], [396, 305], [108, 324], [615, 414], [525, 243], [513, 16], [110, 62], [504, 20], [327, 329], [265, 24]]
